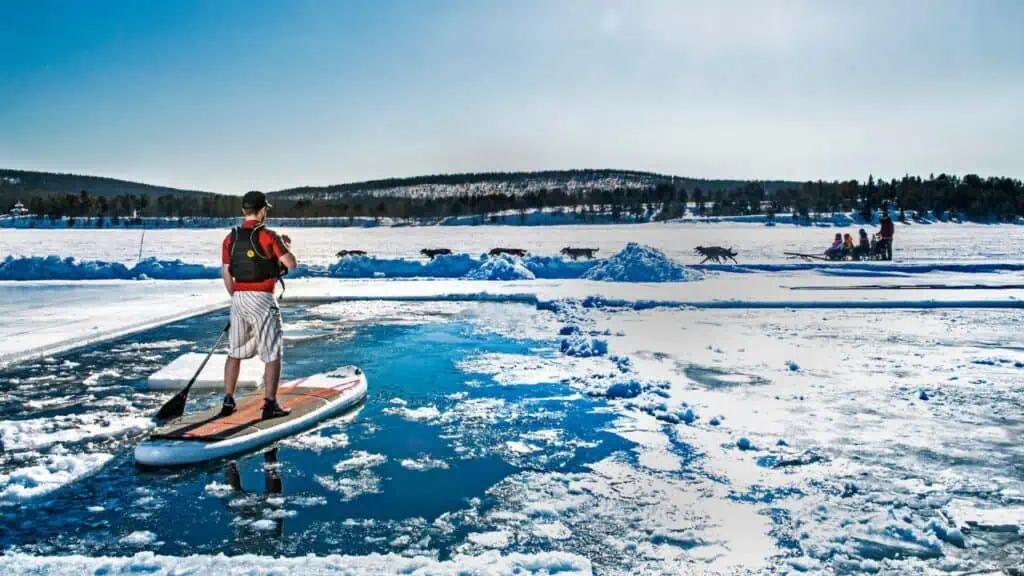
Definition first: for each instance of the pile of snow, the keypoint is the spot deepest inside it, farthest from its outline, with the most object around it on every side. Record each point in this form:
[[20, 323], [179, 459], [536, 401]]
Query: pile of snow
[[584, 347], [639, 263], [628, 389], [501, 267], [491, 562]]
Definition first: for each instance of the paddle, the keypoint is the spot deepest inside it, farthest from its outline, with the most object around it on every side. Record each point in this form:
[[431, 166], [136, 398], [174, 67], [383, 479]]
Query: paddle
[[176, 406]]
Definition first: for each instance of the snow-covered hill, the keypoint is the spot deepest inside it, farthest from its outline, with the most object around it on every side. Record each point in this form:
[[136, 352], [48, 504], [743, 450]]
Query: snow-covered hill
[[510, 183]]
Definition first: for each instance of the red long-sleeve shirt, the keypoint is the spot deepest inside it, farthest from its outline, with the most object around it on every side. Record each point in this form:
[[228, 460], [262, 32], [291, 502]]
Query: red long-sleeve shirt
[[888, 229]]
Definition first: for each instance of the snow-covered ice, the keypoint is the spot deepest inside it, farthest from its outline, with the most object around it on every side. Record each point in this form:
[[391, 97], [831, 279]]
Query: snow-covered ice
[[183, 368], [49, 473], [494, 562], [360, 459], [422, 463], [769, 417]]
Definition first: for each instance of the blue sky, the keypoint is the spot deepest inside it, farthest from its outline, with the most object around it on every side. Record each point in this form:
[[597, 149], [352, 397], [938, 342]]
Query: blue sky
[[229, 95]]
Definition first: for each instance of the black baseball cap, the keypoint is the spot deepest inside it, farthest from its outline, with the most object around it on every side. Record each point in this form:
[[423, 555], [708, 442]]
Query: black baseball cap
[[254, 200]]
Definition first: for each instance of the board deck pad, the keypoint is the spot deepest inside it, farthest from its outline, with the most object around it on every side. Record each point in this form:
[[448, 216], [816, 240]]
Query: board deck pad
[[208, 426]]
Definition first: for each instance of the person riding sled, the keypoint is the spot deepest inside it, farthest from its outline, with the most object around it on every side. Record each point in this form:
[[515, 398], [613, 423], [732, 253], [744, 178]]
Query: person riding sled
[[253, 257], [847, 245], [888, 230], [835, 252], [863, 249]]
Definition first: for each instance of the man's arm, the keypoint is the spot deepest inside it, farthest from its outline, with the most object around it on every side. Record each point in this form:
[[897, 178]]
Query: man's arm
[[229, 282], [284, 246]]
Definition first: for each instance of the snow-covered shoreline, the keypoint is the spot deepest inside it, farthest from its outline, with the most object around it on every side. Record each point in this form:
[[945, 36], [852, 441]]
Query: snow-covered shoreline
[[491, 563], [82, 313]]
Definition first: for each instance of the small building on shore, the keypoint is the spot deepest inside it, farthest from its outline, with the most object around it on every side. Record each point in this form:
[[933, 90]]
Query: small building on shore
[[19, 210]]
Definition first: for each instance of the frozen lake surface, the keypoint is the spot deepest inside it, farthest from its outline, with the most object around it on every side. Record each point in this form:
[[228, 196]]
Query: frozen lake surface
[[734, 441], [318, 246], [764, 420]]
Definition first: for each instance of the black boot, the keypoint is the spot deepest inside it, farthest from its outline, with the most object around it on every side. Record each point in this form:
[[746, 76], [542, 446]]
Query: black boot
[[228, 407], [271, 409]]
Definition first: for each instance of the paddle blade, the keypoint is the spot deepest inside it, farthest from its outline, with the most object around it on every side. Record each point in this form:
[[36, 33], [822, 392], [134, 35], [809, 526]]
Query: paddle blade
[[174, 407]]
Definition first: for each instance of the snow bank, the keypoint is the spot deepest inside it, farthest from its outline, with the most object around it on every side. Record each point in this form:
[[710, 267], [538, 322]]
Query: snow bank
[[451, 266], [491, 562], [173, 270], [635, 263], [551, 268], [501, 267], [56, 268], [638, 263]]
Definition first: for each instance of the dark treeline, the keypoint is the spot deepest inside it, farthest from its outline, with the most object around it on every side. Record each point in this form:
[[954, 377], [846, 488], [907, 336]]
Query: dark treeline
[[972, 196], [86, 205]]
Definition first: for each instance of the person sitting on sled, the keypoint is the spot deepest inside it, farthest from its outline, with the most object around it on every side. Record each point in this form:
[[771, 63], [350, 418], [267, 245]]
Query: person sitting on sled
[[848, 245], [836, 251], [863, 249]]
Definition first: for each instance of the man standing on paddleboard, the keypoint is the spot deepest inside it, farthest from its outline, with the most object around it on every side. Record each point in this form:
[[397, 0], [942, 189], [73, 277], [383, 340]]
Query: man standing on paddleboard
[[252, 256]]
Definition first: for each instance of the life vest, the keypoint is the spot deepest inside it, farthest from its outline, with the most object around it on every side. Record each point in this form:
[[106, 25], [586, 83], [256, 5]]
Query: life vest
[[248, 262]]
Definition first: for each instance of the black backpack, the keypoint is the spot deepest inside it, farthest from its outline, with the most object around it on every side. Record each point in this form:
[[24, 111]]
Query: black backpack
[[248, 262]]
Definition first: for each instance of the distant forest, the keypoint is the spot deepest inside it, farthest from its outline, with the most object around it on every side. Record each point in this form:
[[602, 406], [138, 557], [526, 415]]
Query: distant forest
[[977, 198], [581, 177]]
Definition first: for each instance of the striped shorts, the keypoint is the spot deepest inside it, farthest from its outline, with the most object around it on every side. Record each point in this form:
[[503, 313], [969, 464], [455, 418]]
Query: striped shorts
[[255, 326]]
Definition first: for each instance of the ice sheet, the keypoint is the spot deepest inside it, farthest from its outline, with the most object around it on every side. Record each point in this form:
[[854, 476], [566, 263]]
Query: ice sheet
[[183, 368], [44, 318]]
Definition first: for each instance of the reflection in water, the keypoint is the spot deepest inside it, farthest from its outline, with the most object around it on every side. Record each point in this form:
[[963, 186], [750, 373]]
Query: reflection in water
[[260, 514]]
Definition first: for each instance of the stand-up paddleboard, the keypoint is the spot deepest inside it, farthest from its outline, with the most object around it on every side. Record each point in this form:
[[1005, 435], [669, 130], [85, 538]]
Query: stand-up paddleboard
[[206, 435]]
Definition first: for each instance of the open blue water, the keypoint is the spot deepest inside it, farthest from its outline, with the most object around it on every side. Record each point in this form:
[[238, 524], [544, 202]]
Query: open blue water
[[289, 500]]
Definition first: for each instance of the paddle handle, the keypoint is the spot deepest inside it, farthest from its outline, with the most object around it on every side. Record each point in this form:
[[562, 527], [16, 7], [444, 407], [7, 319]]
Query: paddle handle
[[216, 344]]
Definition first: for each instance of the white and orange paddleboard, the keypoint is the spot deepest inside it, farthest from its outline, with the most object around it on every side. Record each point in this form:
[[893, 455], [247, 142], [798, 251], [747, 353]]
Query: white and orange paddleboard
[[206, 435]]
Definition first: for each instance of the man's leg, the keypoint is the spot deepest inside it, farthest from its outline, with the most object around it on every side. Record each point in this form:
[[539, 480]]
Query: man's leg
[[231, 368], [241, 344], [271, 377], [271, 352]]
